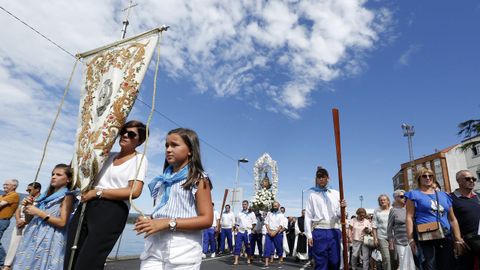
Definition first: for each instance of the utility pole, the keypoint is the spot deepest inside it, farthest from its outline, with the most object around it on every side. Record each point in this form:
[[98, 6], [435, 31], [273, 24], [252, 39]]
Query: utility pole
[[409, 131]]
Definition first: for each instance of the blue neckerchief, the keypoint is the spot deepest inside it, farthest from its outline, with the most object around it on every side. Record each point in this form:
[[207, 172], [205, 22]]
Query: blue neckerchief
[[43, 200], [319, 189], [165, 181]]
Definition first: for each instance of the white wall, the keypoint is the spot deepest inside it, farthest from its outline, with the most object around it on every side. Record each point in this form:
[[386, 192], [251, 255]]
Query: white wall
[[473, 162], [456, 161]]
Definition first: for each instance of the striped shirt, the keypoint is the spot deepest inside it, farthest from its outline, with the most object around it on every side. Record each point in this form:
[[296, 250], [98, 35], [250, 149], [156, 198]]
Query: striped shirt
[[397, 228], [180, 204]]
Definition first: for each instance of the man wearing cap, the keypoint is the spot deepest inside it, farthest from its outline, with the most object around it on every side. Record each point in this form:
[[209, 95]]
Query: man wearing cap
[[322, 223], [8, 204]]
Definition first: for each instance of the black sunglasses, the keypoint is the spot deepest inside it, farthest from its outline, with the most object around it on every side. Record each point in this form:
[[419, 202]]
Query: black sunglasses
[[473, 179], [401, 196], [130, 134], [425, 176]]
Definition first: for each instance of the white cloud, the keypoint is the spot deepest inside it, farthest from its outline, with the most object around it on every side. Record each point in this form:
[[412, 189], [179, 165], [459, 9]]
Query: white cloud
[[224, 46], [270, 53], [406, 57]]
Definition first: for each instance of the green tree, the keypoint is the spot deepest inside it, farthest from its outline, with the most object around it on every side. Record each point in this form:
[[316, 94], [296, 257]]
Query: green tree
[[469, 129]]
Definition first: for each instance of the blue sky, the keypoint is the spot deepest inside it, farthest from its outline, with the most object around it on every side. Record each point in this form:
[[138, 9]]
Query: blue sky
[[253, 78]]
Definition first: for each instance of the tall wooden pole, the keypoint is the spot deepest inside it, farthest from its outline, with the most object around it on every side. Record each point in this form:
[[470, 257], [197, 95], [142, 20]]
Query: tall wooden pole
[[336, 126]]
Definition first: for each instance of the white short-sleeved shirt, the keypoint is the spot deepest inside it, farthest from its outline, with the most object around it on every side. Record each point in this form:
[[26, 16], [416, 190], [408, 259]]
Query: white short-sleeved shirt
[[228, 220], [275, 220], [117, 176], [216, 216], [245, 221]]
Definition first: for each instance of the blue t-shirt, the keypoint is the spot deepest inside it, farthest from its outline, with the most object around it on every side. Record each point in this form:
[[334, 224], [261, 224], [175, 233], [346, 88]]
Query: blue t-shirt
[[426, 207]]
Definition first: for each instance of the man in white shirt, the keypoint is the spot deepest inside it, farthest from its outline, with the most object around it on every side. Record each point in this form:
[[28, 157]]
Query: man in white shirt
[[245, 223], [322, 223], [227, 223], [209, 236], [274, 222]]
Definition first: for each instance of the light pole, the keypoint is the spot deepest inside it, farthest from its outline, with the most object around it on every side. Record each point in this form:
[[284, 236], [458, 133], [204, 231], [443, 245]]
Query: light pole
[[409, 131], [242, 160], [361, 201]]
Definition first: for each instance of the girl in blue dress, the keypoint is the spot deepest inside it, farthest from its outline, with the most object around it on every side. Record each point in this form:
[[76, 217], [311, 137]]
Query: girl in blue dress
[[43, 243]]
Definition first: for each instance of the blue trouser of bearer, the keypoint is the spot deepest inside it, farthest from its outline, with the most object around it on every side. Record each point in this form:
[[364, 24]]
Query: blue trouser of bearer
[[226, 232], [239, 239], [272, 244], [326, 248], [209, 240]]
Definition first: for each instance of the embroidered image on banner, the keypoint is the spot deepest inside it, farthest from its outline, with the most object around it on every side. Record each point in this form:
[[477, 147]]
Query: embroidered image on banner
[[110, 85]]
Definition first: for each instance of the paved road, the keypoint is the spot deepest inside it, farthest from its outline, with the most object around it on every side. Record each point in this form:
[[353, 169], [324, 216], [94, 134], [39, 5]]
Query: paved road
[[218, 263]]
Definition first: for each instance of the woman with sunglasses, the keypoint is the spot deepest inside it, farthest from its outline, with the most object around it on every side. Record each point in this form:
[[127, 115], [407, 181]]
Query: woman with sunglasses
[[107, 207], [427, 207], [396, 229]]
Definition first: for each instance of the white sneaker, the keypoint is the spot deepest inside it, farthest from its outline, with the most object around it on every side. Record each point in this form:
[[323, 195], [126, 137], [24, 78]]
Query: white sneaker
[[213, 255], [204, 255]]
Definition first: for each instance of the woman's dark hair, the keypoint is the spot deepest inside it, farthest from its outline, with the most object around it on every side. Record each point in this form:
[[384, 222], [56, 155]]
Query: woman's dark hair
[[195, 167], [68, 171], [321, 172], [142, 130], [35, 185]]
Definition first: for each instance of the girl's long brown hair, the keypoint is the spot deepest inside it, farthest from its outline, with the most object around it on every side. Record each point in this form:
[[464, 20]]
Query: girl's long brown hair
[[68, 171], [195, 167]]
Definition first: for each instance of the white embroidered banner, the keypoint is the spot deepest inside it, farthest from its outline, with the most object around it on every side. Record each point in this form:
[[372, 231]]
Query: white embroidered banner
[[111, 81]]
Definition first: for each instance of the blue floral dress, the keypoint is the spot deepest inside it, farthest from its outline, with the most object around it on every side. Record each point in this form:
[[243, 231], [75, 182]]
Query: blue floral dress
[[43, 245]]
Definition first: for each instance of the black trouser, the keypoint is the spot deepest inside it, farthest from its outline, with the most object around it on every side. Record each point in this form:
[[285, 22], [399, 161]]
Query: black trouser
[[291, 242], [102, 225], [437, 254]]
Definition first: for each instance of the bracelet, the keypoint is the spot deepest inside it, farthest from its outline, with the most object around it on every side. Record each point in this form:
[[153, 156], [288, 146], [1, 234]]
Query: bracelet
[[459, 242], [410, 241], [46, 218]]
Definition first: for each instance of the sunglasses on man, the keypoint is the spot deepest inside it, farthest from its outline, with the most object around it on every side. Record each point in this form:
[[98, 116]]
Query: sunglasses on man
[[130, 134], [473, 179]]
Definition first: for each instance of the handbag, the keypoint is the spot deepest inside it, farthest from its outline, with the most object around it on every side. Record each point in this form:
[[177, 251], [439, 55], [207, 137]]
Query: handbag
[[408, 262], [377, 255], [368, 241], [431, 230]]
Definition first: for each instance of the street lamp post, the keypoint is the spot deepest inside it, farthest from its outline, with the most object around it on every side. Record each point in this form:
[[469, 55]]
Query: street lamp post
[[242, 160], [409, 131], [361, 201]]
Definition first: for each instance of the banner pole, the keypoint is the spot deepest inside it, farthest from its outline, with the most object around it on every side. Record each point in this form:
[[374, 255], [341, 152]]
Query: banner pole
[[336, 125]]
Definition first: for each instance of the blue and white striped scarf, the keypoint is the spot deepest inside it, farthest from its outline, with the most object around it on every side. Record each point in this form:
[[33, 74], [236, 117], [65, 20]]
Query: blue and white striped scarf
[[165, 181]]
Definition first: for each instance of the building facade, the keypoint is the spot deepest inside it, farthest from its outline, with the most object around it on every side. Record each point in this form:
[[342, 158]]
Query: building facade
[[472, 156], [444, 163]]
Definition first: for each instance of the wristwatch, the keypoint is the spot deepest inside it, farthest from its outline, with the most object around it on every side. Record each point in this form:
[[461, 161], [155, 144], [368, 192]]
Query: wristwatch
[[172, 224], [99, 193]]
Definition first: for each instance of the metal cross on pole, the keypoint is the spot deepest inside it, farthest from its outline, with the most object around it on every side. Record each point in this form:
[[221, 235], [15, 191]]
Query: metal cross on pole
[[125, 22]]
